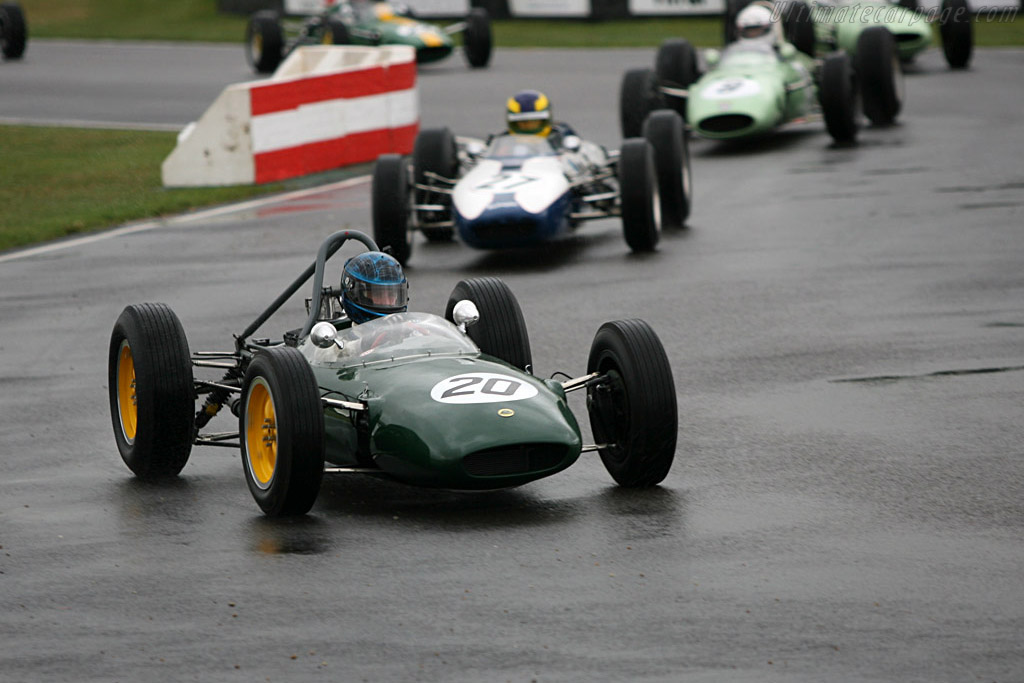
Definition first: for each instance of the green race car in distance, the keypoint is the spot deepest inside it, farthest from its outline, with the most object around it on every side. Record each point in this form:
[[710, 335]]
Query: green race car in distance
[[443, 402], [819, 27], [751, 88], [269, 38]]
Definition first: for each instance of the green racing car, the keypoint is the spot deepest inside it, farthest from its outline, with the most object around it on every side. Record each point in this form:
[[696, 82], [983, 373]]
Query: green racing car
[[269, 37], [443, 402], [755, 86]]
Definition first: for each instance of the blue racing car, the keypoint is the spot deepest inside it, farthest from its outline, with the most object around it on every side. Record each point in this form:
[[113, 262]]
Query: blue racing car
[[522, 190]]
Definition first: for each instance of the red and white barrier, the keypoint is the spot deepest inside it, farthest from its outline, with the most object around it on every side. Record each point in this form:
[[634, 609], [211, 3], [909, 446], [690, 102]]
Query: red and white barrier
[[324, 108]]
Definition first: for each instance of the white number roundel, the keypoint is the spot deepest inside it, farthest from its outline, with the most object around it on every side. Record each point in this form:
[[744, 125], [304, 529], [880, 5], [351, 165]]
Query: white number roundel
[[481, 387], [732, 88]]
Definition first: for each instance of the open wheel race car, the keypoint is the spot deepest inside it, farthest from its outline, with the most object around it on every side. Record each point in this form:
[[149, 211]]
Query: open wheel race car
[[269, 38], [445, 402], [751, 89], [819, 27], [13, 30], [518, 190]]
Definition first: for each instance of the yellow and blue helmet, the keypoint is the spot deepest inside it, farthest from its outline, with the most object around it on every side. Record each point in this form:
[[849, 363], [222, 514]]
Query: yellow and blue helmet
[[373, 286], [529, 113]]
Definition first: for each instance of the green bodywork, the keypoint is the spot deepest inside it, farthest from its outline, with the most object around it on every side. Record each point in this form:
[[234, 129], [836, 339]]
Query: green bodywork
[[378, 23], [750, 90], [837, 27], [488, 443]]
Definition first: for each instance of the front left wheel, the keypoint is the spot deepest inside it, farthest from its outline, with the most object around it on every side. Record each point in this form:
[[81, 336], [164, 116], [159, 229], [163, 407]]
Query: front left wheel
[[152, 398], [282, 432], [638, 96], [632, 410]]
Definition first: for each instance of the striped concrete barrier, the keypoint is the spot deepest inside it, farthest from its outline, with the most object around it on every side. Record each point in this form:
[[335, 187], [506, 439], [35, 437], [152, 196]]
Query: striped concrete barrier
[[324, 108]]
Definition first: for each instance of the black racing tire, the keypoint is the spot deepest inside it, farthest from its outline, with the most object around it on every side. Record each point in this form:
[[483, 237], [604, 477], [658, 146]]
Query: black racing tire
[[913, 5], [634, 410], [13, 30], [336, 32], [676, 66], [477, 41], [957, 32], [798, 25], [152, 398], [390, 206], [838, 94], [880, 74], [664, 130], [434, 151], [281, 429], [501, 331], [264, 41], [640, 202], [732, 8], [638, 97]]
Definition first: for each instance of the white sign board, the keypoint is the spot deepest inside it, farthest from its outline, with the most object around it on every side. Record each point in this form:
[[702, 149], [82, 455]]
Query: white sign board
[[676, 7], [549, 8]]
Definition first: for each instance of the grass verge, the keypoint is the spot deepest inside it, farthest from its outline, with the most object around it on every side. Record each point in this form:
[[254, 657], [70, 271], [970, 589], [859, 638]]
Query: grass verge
[[56, 182]]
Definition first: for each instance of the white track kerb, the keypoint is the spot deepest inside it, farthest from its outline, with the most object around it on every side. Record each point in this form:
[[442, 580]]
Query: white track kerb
[[325, 107]]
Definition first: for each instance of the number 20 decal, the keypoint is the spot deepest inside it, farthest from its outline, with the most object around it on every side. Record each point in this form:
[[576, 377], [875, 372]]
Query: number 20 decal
[[481, 387]]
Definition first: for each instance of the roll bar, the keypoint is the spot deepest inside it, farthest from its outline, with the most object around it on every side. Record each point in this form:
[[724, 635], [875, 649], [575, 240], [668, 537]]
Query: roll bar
[[316, 269]]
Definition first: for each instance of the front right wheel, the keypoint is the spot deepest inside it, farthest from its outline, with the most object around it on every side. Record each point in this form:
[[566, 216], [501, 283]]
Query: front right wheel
[[390, 206], [633, 413], [639, 198], [282, 432]]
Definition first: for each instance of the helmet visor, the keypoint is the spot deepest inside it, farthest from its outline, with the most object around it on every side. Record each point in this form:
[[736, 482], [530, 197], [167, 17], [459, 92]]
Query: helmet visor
[[529, 123], [388, 297]]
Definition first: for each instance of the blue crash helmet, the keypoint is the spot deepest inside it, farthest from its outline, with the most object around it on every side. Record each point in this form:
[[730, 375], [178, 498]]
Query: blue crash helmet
[[372, 286]]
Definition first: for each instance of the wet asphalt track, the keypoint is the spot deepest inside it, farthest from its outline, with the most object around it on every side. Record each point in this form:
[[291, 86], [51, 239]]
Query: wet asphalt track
[[846, 330]]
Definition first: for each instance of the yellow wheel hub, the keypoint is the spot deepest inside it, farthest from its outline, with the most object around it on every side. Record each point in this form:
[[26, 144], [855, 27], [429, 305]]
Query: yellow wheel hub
[[127, 400], [261, 433]]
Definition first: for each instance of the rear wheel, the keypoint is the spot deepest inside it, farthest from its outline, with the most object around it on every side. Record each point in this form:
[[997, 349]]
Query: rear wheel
[[336, 32], [880, 75], [477, 42], [13, 30], [676, 66], [282, 432], [501, 330], [638, 187], [638, 97], [264, 41], [434, 152], [664, 130], [799, 26], [390, 200], [732, 8], [152, 399], [633, 411], [957, 32], [837, 92]]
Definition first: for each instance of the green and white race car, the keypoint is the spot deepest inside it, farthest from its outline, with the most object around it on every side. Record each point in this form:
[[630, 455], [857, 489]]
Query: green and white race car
[[444, 402], [269, 37]]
